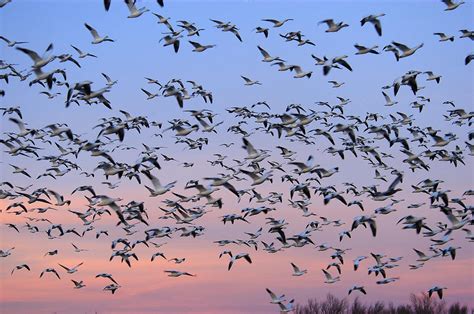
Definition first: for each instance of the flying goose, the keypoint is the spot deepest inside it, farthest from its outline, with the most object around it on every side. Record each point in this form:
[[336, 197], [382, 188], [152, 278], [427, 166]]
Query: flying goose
[[200, 48], [262, 30], [157, 189], [78, 284], [149, 95], [467, 34], [405, 50], [275, 299], [358, 288], [71, 270], [233, 259], [333, 27], [112, 288], [96, 36], [289, 307], [297, 271], [267, 57], [171, 41], [39, 62], [387, 280], [450, 5], [249, 82], [432, 77], [176, 273], [12, 43], [134, 12], [388, 100], [277, 23], [375, 21], [83, 54], [50, 270], [300, 73], [22, 266], [258, 179], [438, 290], [105, 275], [329, 277], [444, 37], [329, 64], [363, 50]]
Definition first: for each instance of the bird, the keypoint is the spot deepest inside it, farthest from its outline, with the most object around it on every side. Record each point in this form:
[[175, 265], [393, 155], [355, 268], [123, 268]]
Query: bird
[[39, 62], [149, 95], [443, 37], [329, 277], [267, 57], [233, 259], [12, 43], [405, 50], [467, 34], [97, 38], [363, 50], [262, 30], [357, 288], [157, 189], [468, 59], [374, 20], [106, 275], [200, 48], [155, 255], [277, 23], [297, 271], [112, 288], [50, 270], [450, 5], [19, 267], [78, 284], [176, 273], [438, 290], [174, 41], [71, 270], [275, 298], [289, 307], [388, 101], [134, 12], [300, 73], [83, 54], [249, 82], [332, 26]]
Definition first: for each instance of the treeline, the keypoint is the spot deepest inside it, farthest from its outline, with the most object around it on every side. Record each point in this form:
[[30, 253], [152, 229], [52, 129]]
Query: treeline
[[419, 304]]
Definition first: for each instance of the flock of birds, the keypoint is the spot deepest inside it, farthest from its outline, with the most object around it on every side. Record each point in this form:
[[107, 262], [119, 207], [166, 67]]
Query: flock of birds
[[363, 137]]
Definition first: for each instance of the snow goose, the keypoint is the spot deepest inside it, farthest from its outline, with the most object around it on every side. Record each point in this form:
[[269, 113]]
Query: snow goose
[[97, 38]]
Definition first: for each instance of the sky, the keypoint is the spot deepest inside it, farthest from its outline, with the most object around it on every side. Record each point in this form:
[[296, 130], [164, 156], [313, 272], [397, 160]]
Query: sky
[[138, 53]]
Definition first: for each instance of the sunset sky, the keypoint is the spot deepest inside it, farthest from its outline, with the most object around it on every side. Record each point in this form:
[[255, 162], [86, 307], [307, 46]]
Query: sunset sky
[[137, 53]]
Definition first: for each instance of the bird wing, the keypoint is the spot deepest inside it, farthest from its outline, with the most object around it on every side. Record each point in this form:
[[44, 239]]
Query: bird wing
[[272, 295], [195, 44], [378, 26], [329, 22], [400, 46], [249, 147], [271, 21], [328, 275], [295, 268], [263, 52], [246, 79], [92, 30], [33, 55]]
